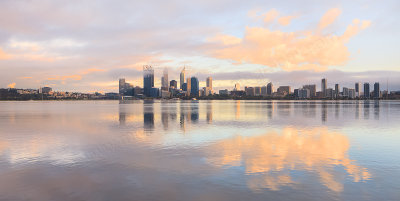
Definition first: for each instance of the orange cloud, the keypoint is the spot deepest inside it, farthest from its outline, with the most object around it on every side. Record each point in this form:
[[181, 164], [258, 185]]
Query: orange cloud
[[271, 15], [284, 21], [4, 56], [25, 78], [329, 18], [300, 50], [12, 85], [317, 149]]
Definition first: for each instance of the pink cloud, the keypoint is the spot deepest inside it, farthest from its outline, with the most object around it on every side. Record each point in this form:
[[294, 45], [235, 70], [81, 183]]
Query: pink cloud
[[298, 50]]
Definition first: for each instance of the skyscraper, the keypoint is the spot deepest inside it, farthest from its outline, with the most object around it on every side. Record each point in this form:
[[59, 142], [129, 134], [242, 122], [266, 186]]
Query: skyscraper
[[366, 90], [194, 86], [312, 88], [164, 80], [173, 84], [357, 89], [121, 86], [237, 87], [182, 77], [209, 88], [188, 86], [323, 86], [337, 90], [148, 79], [270, 88], [376, 90]]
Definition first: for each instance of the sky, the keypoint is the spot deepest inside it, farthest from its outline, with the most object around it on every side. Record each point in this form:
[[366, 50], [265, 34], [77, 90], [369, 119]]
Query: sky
[[87, 46]]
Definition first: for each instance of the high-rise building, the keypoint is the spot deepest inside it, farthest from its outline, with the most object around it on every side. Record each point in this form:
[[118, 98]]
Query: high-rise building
[[345, 92], [209, 87], [165, 81], [250, 91], [263, 90], [366, 90], [270, 89], [188, 86], [257, 91], [357, 89], [209, 82], [173, 84], [194, 86], [376, 90], [312, 88], [329, 93], [148, 79], [237, 87], [125, 89], [284, 89], [304, 93], [352, 93], [337, 90], [323, 86], [182, 77], [121, 86]]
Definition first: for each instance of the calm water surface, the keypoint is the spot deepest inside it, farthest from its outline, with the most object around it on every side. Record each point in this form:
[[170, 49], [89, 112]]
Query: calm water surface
[[200, 150]]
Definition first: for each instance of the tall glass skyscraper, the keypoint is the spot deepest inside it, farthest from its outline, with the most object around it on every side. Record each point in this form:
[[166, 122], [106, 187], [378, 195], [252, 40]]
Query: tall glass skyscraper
[[376, 90], [182, 78], [148, 79], [366, 90], [323, 87], [194, 86]]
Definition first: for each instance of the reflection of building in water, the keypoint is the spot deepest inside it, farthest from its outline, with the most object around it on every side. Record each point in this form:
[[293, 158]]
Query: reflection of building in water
[[237, 109], [122, 116], [148, 115], [324, 112], [357, 113], [284, 108], [209, 113], [337, 110], [366, 109], [270, 109], [164, 119], [268, 159], [376, 109], [194, 112]]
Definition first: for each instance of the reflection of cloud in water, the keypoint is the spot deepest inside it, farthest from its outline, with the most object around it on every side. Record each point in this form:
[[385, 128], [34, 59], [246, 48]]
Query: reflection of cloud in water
[[269, 158]]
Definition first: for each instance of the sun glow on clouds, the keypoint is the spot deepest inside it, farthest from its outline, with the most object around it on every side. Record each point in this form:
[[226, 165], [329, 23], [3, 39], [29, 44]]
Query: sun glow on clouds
[[298, 50]]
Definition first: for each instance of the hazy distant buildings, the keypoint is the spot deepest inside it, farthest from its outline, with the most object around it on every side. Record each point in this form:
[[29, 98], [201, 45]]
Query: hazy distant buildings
[[188, 86], [257, 91], [312, 88], [376, 90], [352, 93], [345, 92], [329, 93], [284, 90], [165, 81], [173, 84], [46, 90], [264, 91], [209, 88], [270, 89], [182, 78], [125, 88], [237, 87], [366, 90], [337, 90], [148, 80], [250, 91], [223, 92], [357, 89]]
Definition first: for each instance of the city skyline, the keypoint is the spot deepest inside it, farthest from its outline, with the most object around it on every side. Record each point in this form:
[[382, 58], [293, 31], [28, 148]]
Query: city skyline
[[76, 48]]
